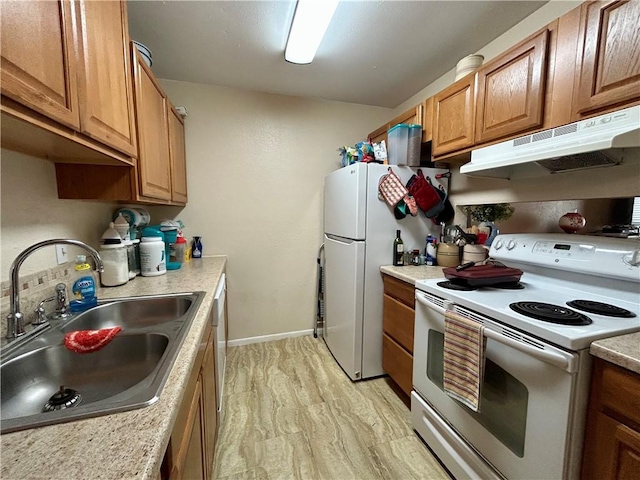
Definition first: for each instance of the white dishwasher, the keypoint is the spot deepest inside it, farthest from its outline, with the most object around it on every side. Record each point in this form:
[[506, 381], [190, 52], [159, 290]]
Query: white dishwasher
[[220, 337]]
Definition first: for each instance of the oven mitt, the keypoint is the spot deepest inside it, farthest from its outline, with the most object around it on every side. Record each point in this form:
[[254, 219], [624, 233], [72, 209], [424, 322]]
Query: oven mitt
[[447, 213], [400, 211], [391, 189], [406, 206], [425, 194]]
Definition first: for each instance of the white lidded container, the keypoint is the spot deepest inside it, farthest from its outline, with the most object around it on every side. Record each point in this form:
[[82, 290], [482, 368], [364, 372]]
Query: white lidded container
[[116, 267], [113, 253], [152, 257]]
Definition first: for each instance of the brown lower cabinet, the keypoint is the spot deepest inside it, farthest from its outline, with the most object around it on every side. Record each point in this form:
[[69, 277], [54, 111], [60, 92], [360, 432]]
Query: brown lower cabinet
[[189, 454], [612, 440], [397, 325]]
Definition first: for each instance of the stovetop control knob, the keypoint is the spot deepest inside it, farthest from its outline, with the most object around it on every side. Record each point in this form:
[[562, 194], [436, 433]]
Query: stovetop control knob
[[498, 245], [633, 258], [511, 244]]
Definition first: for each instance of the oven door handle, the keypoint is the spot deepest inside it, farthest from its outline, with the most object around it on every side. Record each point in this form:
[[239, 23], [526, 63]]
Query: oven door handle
[[553, 358]]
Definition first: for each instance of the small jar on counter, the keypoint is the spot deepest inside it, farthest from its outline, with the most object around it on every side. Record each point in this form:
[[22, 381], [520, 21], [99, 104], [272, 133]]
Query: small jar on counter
[[116, 267], [415, 257], [152, 257]]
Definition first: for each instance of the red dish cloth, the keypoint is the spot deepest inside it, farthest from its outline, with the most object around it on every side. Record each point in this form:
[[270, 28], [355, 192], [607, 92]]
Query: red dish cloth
[[87, 341]]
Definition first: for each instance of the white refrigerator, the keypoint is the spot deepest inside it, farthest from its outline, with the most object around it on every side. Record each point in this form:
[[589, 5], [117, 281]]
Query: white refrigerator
[[359, 229]]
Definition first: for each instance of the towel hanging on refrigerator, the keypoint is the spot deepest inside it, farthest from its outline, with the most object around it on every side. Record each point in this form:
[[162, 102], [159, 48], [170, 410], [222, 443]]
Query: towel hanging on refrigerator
[[464, 347]]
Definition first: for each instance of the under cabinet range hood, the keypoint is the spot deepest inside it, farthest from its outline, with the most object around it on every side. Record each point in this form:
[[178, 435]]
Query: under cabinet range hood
[[602, 141]]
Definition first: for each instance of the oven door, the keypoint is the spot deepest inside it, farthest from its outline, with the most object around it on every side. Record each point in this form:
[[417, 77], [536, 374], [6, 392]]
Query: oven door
[[522, 427]]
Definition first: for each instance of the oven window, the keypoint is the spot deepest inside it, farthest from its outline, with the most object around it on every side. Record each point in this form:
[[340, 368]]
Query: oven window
[[503, 401]]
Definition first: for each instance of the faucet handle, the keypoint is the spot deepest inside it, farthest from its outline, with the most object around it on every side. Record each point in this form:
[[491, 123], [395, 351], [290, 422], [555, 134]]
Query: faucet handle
[[61, 297], [41, 317]]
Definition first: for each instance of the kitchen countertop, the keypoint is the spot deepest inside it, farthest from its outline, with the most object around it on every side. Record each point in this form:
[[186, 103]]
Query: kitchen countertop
[[128, 444], [411, 273], [623, 350]]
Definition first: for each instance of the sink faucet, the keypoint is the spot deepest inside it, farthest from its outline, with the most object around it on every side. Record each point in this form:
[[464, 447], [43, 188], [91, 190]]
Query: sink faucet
[[15, 320]]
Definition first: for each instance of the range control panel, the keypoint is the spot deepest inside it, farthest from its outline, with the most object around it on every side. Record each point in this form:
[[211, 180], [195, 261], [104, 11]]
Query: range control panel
[[602, 256]]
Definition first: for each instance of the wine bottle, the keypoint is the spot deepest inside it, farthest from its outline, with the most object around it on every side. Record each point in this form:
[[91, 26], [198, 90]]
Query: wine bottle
[[398, 250]]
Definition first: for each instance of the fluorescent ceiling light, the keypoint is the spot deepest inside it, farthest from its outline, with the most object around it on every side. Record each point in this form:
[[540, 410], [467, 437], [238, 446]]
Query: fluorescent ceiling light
[[310, 23]]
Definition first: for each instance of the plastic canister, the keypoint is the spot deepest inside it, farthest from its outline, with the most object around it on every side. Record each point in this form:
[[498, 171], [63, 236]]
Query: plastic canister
[[398, 138], [414, 145], [131, 258], [116, 266], [152, 257], [180, 249], [136, 252]]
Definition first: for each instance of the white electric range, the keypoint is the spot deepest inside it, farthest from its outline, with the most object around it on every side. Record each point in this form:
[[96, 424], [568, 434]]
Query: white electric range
[[536, 380]]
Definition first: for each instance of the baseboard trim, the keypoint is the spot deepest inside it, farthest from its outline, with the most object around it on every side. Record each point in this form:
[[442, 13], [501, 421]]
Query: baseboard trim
[[269, 338]]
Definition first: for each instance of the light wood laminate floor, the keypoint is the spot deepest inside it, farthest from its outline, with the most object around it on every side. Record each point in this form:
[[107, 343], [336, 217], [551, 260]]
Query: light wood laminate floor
[[292, 413]]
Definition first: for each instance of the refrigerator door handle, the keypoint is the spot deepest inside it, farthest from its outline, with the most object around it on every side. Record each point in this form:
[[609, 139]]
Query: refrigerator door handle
[[345, 241]]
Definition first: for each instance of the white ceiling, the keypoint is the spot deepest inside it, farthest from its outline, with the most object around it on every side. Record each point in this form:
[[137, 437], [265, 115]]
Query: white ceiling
[[375, 52]]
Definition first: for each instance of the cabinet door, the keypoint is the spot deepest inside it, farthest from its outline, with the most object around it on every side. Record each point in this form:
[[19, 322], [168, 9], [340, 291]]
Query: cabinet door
[[615, 451], [178, 156], [190, 457], [210, 408], [511, 90], [38, 63], [397, 363], [104, 72], [380, 134], [411, 116], [398, 322], [154, 164], [608, 70], [454, 116]]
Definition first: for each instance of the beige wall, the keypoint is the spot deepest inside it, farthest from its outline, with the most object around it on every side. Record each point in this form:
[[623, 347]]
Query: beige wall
[[256, 167], [32, 212]]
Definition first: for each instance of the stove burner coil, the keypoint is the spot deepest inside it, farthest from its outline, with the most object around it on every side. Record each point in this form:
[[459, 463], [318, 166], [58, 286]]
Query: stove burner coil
[[551, 313], [63, 398], [601, 308]]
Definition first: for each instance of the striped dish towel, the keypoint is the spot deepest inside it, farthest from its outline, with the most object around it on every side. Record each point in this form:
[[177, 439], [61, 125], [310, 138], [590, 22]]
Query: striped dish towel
[[464, 345]]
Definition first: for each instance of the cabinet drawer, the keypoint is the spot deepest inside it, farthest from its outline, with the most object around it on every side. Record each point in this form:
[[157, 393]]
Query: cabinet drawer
[[401, 291], [621, 391], [398, 321], [397, 363]]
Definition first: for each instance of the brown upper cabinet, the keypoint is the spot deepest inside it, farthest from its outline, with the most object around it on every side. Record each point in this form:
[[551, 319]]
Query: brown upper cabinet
[[160, 175], [67, 62], [38, 62], [583, 64], [154, 162], [511, 90], [178, 156], [608, 60], [454, 116], [104, 71], [413, 116]]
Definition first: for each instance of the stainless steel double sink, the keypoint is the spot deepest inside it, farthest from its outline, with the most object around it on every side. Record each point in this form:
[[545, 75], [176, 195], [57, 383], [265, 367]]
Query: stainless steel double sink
[[43, 383]]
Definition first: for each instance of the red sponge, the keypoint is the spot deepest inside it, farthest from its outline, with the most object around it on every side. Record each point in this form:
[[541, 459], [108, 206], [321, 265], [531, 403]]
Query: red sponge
[[87, 341]]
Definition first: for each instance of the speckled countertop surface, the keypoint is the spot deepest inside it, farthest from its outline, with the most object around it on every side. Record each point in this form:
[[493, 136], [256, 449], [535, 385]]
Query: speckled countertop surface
[[411, 273], [123, 445], [623, 350]]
